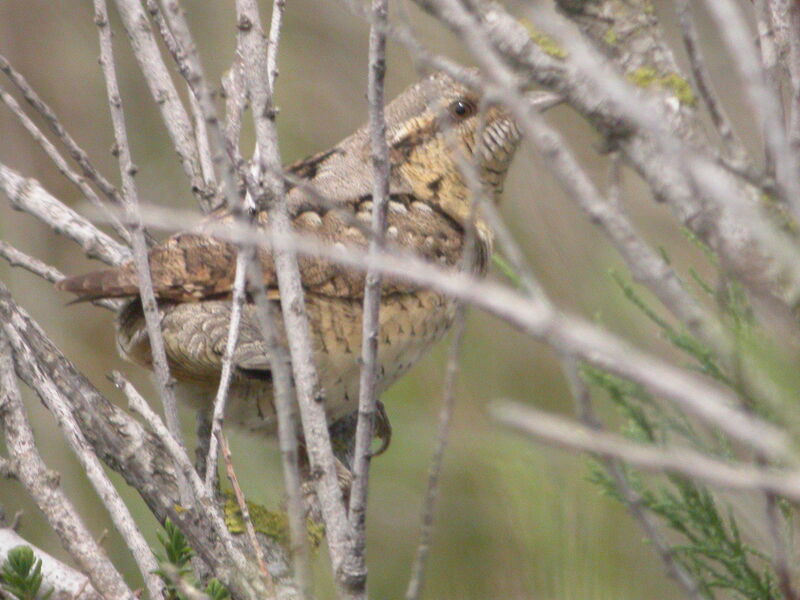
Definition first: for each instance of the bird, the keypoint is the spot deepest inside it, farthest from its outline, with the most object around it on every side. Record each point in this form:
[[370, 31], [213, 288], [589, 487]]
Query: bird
[[433, 129]]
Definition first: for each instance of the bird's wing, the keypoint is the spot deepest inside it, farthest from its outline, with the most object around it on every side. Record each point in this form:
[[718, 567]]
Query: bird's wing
[[193, 266]]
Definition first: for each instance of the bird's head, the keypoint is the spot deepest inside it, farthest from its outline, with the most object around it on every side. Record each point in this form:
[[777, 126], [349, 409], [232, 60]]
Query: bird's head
[[437, 130]]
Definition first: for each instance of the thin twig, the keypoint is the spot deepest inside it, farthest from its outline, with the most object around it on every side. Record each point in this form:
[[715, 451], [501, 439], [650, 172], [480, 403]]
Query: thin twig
[[632, 499], [93, 469], [646, 265], [17, 258], [75, 151], [417, 580], [248, 522], [61, 164], [127, 447], [43, 486], [204, 501], [719, 117], [235, 89], [203, 147], [275, 26], [703, 195], [200, 129], [479, 205], [284, 400], [173, 113], [176, 32], [536, 317], [278, 358], [567, 433], [220, 400], [793, 18], [764, 100], [267, 316], [254, 53], [186, 55], [29, 196], [368, 381], [130, 200]]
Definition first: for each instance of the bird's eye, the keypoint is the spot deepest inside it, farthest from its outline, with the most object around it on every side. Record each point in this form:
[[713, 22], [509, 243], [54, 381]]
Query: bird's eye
[[461, 109]]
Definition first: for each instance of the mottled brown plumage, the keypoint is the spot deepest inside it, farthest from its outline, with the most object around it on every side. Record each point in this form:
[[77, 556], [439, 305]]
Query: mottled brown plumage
[[330, 197]]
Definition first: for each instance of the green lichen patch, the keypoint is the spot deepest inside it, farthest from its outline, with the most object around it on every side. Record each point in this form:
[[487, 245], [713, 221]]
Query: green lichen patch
[[643, 77], [274, 524], [611, 37], [548, 45], [680, 87], [646, 77]]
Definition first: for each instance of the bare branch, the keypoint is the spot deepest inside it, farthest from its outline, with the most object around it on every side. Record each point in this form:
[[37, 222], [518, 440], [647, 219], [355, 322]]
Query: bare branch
[[117, 510], [29, 196], [764, 100], [716, 110], [284, 398], [200, 130], [279, 360], [139, 456], [275, 26], [204, 502], [43, 486], [75, 151], [60, 163], [130, 200], [220, 400], [186, 55], [163, 90], [417, 580], [632, 499], [793, 18], [567, 433], [368, 383], [248, 522], [17, 258], [254, 53], [535, 316], [639, 125]]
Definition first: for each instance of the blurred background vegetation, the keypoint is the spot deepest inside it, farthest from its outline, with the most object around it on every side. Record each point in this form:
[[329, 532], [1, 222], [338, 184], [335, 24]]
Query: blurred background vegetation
[[514, 520]]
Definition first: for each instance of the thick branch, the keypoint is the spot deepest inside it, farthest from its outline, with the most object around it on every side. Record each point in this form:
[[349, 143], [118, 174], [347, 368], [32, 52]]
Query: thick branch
[[44, 487], [29, 196]]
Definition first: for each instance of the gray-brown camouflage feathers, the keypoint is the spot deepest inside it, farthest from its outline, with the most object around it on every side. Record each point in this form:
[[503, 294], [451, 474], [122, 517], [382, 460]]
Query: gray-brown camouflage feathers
[[193, 272]]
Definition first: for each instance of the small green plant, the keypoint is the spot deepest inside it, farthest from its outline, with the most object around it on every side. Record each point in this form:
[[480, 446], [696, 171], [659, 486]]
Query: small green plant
[[21, 575], [711, 546], [176, 565], [216, 591]]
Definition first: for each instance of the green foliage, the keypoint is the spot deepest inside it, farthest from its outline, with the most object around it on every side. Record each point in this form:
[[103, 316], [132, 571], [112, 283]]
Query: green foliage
[[711, 546], [178, 552], [506, 269], [176, 565], [21, 575], [216, 591]]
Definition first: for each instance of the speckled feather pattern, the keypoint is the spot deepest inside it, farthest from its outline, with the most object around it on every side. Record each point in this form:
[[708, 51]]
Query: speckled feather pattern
[[329, 196]]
